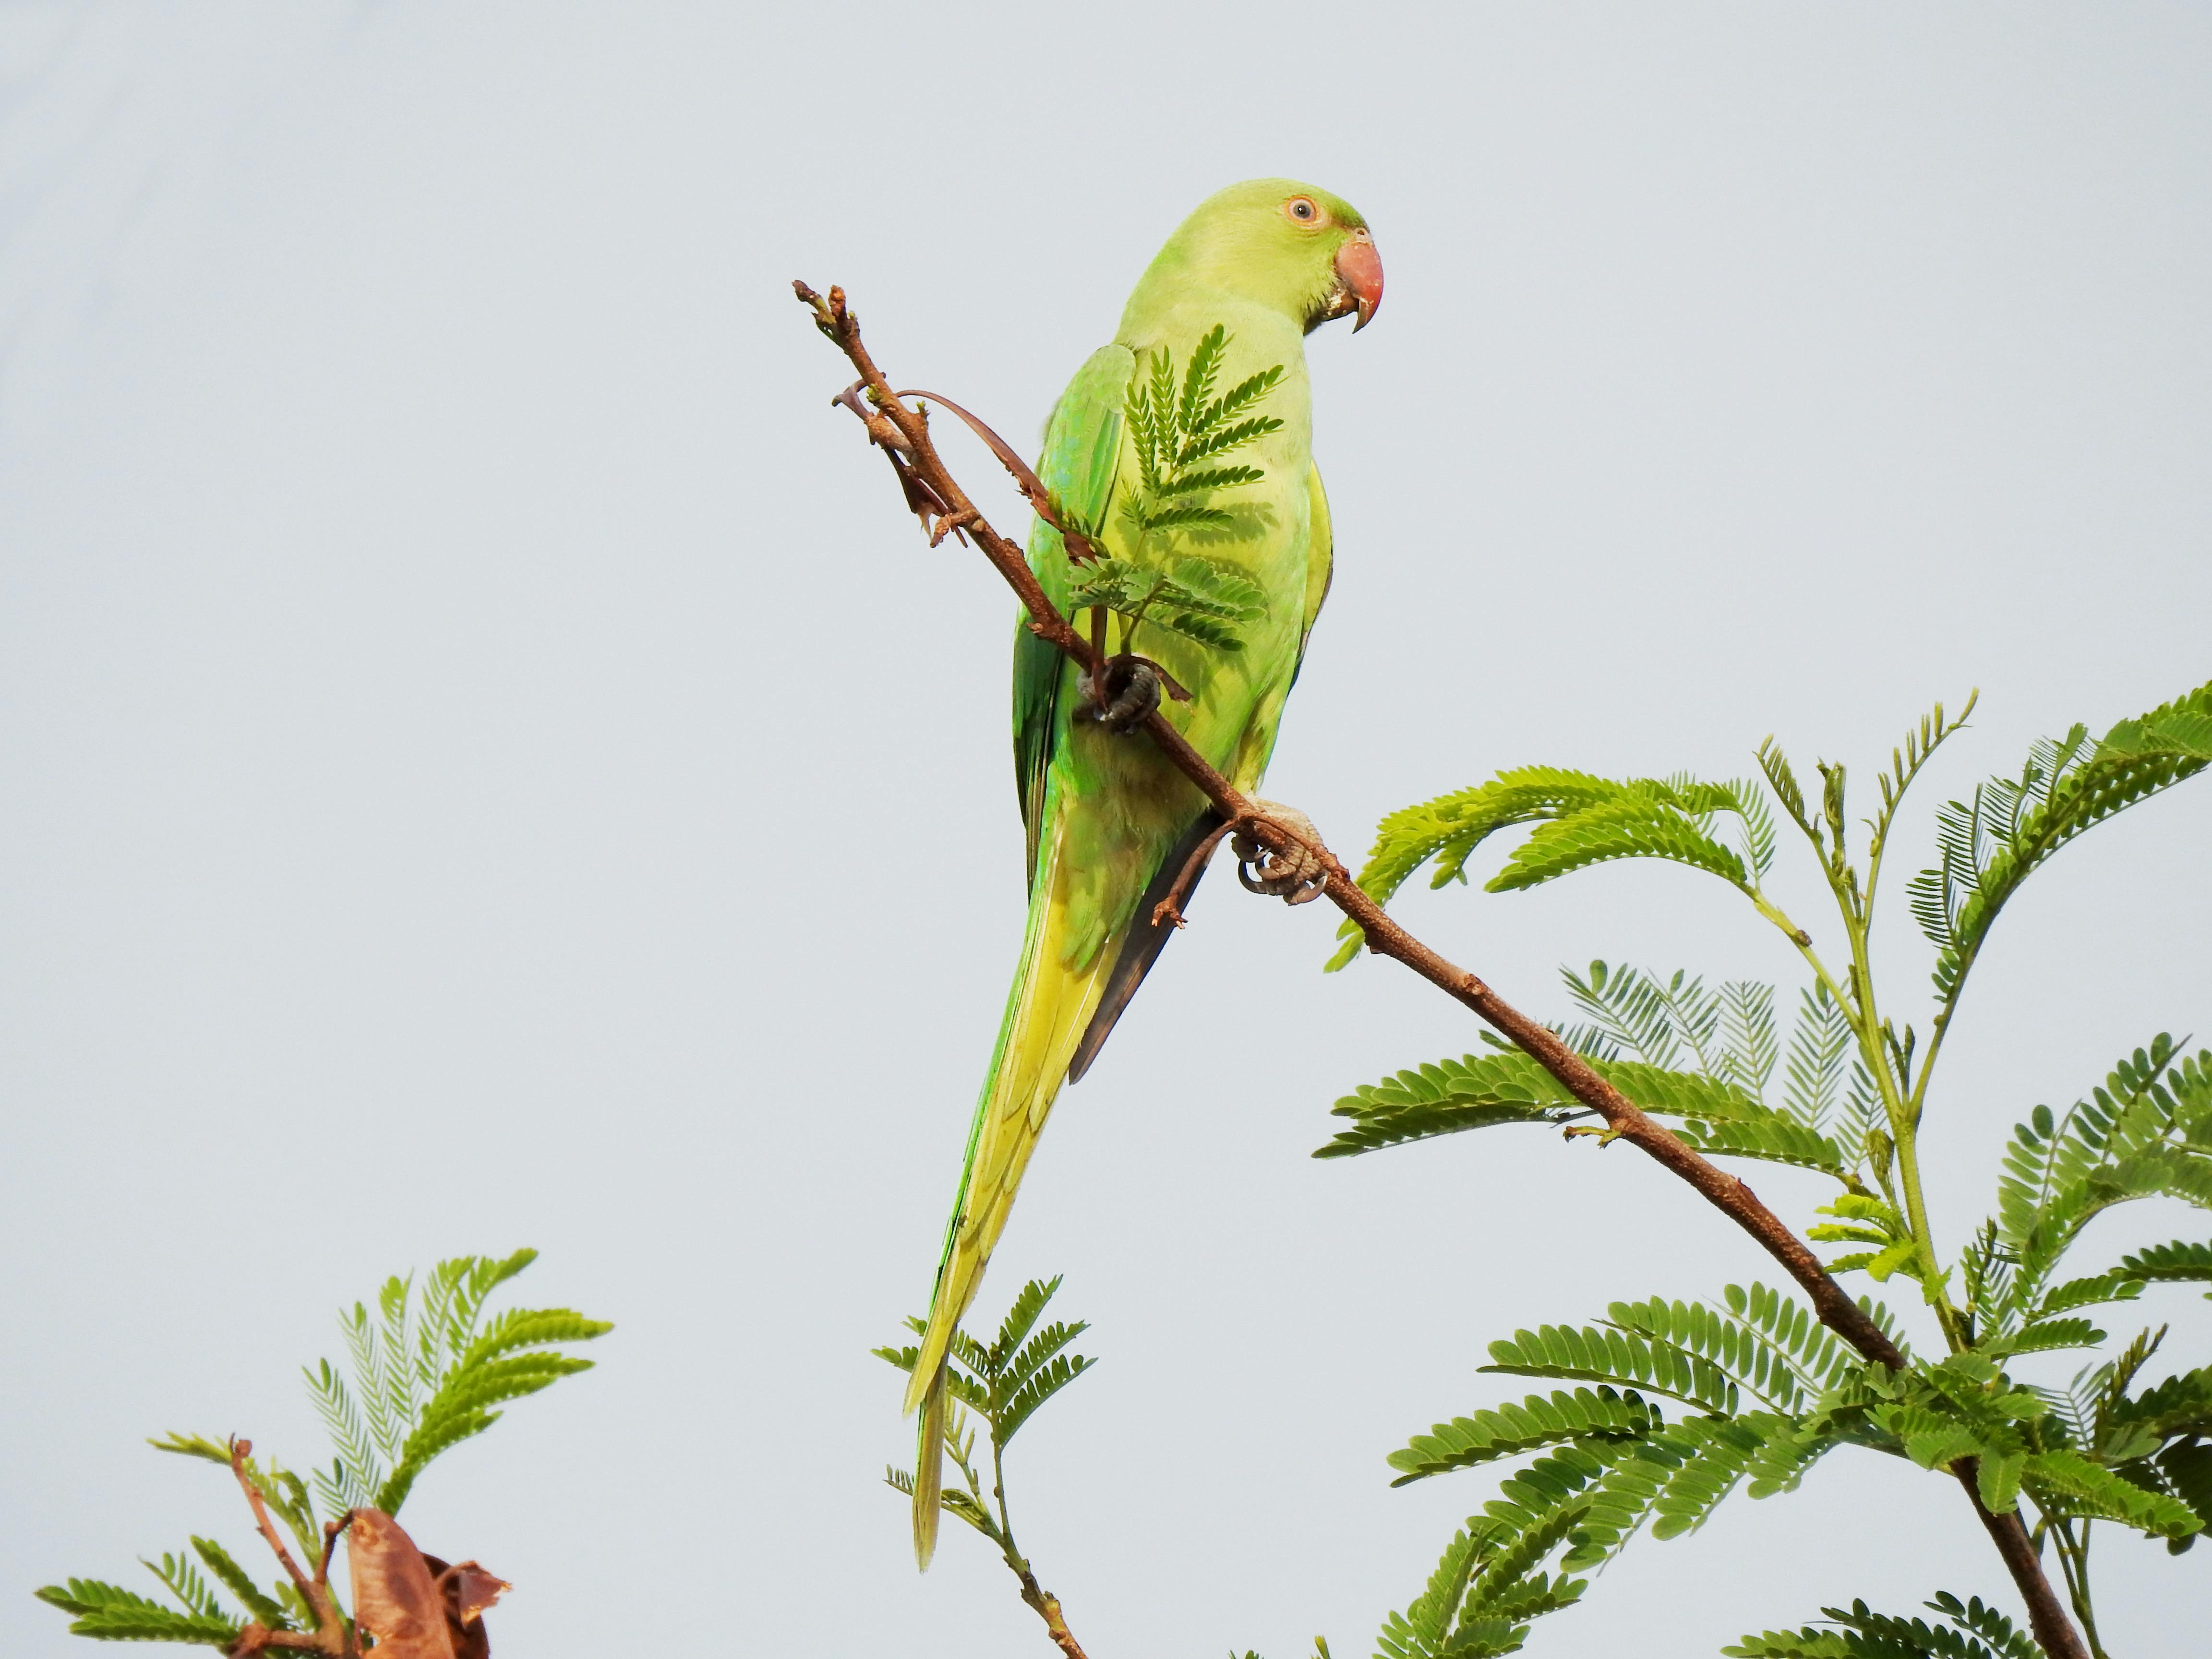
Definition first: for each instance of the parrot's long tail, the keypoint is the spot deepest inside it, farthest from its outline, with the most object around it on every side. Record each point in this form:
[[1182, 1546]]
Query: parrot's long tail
[[1046, 1012]]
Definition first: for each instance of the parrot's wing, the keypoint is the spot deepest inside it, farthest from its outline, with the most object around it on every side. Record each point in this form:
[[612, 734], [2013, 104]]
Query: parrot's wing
[[1320, 562], [1146, 937], [1082, 452]]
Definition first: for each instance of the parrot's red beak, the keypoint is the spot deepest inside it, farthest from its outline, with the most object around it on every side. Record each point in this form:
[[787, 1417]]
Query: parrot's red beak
[[1359, 269]]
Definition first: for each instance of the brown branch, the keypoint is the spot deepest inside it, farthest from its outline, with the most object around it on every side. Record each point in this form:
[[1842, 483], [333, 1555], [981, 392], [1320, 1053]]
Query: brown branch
[[2054, 1632], [1047, 1608], [331, 1531], [1170, 908], [329, 1636], [1625, 1120]]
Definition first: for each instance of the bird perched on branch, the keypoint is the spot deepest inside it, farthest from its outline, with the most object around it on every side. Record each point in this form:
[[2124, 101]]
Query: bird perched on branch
[[1179, 457]]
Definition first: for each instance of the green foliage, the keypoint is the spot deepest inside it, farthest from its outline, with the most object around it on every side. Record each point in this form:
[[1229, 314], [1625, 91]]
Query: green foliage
[[1988, 846], [1494, 1578], [2181, 1262], [182, 1580], [1581, 819], [1181, 431], [1769, 1392], [2067, 1483], [1973, 1630], [1199, 598], [1729, 1034], [1004, 1382], [425, 1375], [2145, 1131], [107, 1613], [1592, 1353], [1560, 1419], [283, 1491], [1611, 1463], [265, 1608]]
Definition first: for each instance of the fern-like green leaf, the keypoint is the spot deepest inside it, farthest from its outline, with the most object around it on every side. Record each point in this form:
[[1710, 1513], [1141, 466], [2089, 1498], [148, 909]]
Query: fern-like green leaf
[[1509, 1430], [1992, 844], [182, 1580], [2182, 1261], [2046, 1334], [1479, 1092], [2067, 1483], [1419, 1633], [251, 1594], [1220, 439], [2179, 1404], [532, 1327], [1977, 1631], [193, 1446], [1773, 1140], [1218, 478], [1194, 625], [1623, 1358], [1726, 1447], [108, 1613], [1045, 1382], [1452, 827], [1630, 827], [2185, 1467], [1021, 1319], [1239, 398], [1185, 517]]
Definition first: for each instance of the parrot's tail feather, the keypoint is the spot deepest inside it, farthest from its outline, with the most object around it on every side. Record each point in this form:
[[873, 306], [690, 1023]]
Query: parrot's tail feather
[[929, 1473], [1050, 1005], [1142, 944]]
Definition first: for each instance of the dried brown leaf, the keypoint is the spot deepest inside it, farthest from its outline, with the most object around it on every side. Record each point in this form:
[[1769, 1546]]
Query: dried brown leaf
[[394, 1597]]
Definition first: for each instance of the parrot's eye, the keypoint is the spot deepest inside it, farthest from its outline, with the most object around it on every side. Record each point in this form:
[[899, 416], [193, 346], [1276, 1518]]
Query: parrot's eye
[[1302, 210]]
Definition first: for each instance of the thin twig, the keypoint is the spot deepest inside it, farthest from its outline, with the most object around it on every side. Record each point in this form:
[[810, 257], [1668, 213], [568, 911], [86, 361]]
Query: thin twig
[[329, 1636], [331, 1531], [1047, 1608], [239, 1452], [1170, 908], [1625, 1120]]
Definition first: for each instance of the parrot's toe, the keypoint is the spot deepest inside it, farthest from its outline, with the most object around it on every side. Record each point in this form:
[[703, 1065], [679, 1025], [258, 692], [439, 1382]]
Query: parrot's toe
[[1132, 692], [1295, 874]]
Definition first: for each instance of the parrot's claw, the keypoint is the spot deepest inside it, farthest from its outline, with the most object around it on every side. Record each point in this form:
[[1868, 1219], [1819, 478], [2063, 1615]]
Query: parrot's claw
[[1132, 692], [1295, 875]]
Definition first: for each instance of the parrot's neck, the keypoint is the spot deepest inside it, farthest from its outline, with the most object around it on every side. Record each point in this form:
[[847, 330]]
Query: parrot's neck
[[1175, 318]]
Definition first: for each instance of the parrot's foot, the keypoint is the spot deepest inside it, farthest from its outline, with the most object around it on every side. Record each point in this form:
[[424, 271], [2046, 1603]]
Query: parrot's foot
[[1295, 875], [1132, 692]]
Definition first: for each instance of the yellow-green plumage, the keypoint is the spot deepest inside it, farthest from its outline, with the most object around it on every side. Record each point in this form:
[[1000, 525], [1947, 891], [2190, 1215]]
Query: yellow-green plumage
[[1267, 262]]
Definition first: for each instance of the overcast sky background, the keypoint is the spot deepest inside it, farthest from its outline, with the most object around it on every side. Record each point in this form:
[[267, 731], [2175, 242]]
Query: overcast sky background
[[487, 760]]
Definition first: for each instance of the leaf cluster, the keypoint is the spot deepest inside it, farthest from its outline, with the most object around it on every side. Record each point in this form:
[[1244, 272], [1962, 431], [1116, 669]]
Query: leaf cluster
[[1178, 423], [1003, 1383], [1988, 846], [425, 1376], [1183, 428], [1201, 598], [1639, 1028], [1581, 820], [1971, 1630], [1769, 1392], [1764, 1390]]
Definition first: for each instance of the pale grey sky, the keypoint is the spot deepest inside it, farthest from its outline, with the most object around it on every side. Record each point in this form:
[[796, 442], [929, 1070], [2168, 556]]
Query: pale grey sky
[[487, 761]]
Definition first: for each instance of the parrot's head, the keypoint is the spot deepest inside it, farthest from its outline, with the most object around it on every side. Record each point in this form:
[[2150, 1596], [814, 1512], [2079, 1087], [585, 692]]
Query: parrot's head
[[1287, 245]]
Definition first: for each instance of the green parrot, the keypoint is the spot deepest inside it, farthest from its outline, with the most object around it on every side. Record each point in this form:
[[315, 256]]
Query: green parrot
[[1110, 823]]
